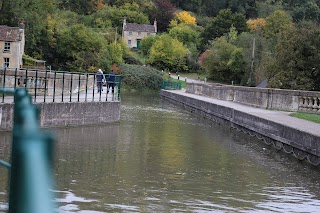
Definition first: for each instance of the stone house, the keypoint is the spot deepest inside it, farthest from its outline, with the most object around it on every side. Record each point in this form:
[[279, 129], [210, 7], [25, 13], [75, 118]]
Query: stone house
[[133, 33], [12, 42]]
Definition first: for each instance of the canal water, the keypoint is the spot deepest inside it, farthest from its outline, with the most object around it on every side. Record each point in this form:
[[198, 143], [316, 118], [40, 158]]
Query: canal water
[[160, 158]]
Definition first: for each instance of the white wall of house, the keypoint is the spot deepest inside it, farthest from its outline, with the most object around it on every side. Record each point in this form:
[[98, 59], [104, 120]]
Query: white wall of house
[[14, 54], [132, 38]]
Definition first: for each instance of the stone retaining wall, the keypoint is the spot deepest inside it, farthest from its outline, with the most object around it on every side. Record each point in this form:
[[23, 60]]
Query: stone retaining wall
[[296, 141], [277, 99], [66, 114]]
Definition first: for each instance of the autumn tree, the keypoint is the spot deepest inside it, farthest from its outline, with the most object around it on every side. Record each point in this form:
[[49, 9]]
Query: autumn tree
[[185, 17], [256, 24]]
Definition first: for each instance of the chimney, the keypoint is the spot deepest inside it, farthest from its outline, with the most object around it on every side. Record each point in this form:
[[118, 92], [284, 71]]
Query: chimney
[[155, 25], [21, 24]]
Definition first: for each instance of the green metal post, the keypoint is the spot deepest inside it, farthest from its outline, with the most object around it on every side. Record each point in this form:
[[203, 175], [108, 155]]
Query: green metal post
[[31, 160]]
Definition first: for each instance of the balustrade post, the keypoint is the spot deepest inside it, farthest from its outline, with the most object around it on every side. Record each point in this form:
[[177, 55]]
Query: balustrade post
[[310, 104]]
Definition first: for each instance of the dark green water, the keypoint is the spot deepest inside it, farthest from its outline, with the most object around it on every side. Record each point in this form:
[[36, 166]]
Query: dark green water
[[160, 158]]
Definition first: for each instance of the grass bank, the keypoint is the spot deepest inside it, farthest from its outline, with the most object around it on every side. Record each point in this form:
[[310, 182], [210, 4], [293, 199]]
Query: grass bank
[[310, 117]]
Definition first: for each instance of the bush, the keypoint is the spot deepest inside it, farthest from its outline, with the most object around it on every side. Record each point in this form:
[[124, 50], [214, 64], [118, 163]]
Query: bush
[[140, 77]]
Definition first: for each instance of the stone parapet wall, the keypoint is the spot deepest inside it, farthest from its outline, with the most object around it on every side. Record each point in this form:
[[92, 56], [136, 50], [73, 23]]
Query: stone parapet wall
[[276, 99], [66, 114]]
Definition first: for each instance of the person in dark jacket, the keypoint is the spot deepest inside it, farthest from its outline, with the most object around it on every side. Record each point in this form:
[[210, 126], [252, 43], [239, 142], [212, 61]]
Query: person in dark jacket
[[111, 81], [99, 78]]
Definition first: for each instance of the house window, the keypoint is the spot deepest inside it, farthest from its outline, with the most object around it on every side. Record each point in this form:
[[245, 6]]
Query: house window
[[130, 33], [6, 62], [148, 34], [6, 46], [129, 42], [139, 33]]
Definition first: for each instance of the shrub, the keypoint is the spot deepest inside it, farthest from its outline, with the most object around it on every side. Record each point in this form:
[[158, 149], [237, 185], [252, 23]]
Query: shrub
[[140, 77]]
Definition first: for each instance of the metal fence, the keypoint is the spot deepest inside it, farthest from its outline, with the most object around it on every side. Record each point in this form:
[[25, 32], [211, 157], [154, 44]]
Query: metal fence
[[31, 181], [57, 86], [170, 85]]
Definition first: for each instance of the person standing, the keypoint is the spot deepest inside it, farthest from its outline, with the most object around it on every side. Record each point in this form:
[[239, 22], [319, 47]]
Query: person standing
[[111, 81], [99, 79]]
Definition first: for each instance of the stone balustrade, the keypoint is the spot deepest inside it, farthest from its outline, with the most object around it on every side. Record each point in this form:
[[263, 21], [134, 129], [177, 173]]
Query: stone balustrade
[[277, 99]]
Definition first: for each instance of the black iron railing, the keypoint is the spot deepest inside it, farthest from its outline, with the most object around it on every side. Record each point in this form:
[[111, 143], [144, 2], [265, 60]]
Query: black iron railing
[[57, 86]]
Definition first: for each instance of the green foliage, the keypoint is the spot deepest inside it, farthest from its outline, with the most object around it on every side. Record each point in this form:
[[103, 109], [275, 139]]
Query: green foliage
[[225, 62], [79, 47], [84, 7], [277, 22], [185, 34], [168, 52], [130, 12], [212, 7], [297, 60], [140, 77], [146, 44], [221, 25]]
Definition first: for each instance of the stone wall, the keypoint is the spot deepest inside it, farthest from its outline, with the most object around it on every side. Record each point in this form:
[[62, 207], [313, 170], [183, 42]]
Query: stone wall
[[302, 144], [66, 114], [277, 99]]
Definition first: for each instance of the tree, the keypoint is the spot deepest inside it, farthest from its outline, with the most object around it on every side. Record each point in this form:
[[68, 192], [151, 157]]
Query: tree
[[185, 34], [83, 7], [79, 47], [296, 64], [221, 24], [305, 11], [163, 13], [256, 24], [225, 62], [168, 53], [146, 44], [277, 22], [185, 17], [129, 11]]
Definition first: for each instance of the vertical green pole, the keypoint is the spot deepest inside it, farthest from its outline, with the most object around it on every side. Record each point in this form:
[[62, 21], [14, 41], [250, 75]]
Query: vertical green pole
[[26, 77], [87, 76], [15, 78], [35, 86], [62, 92], [79, 84], [4, 82], [45, 85], [54, 85], [119, 87], [71, 87], [31, 160]]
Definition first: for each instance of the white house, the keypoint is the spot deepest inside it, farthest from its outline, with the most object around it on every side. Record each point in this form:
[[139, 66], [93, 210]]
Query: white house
[[12, 41], [133, 33]]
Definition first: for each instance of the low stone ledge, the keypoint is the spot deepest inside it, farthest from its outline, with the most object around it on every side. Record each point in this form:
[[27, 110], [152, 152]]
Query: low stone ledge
[[66, 114]]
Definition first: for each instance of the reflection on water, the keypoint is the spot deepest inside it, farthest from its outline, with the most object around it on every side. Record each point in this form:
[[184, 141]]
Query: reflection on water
[[160, 158]]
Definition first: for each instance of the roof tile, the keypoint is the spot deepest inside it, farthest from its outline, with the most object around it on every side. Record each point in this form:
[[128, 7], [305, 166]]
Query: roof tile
[[9, 33], [139, 28]]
